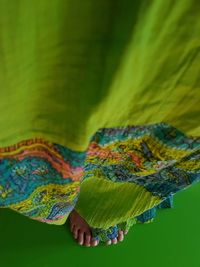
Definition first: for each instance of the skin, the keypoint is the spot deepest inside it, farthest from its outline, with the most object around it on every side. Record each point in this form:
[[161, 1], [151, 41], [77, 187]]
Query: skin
[[81, 232]]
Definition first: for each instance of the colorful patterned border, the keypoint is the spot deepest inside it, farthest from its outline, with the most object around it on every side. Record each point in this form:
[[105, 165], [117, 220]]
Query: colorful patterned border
[[42, 180]]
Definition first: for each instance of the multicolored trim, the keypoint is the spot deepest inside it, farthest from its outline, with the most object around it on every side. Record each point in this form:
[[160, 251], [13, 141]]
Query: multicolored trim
[[158, 157], [136, 167], [42, 180]]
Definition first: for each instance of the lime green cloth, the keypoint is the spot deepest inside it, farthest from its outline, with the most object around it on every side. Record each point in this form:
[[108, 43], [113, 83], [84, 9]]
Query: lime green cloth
[[69, 68]]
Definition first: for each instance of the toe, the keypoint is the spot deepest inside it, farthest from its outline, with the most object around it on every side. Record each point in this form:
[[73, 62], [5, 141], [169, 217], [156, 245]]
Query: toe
[[109, 242], [126, 232], [120, 236], [75, 232], [87, 239], [94, 242], [72, 227], [80, 237], [114, 241]]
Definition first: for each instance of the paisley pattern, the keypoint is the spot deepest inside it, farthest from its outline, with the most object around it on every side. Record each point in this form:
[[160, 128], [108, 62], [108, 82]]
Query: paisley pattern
[[42, 180], [39, 179], [158, 157]]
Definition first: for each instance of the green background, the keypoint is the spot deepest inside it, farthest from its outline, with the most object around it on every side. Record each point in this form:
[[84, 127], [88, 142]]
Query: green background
[[173, 239]]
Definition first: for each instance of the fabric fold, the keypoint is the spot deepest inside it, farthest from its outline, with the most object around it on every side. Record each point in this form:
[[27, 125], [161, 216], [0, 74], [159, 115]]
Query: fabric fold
[[125, 172]]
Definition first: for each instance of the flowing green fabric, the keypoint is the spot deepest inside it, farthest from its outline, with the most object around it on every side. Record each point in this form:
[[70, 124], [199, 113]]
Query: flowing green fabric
[[69, 68]]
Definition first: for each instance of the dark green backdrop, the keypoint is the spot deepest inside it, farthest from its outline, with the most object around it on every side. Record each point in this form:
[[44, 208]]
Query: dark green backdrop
[[172, 240]]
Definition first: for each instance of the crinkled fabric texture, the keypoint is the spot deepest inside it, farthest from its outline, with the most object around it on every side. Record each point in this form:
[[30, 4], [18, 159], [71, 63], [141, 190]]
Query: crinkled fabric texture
[[42, 180], [99, 106], [69, 68], [130, 170], [148, 216]]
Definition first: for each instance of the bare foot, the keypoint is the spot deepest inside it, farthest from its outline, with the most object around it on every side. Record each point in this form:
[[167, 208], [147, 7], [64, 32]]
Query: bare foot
[[82, 233]]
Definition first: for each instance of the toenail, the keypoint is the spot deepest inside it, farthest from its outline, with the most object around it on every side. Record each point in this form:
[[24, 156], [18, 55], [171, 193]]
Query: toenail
[[95, 243], [114, 241], [80, 243], [108, 242], [120, 237]]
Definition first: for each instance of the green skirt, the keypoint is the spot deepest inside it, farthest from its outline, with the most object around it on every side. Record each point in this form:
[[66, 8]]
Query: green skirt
[[99, 106]]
